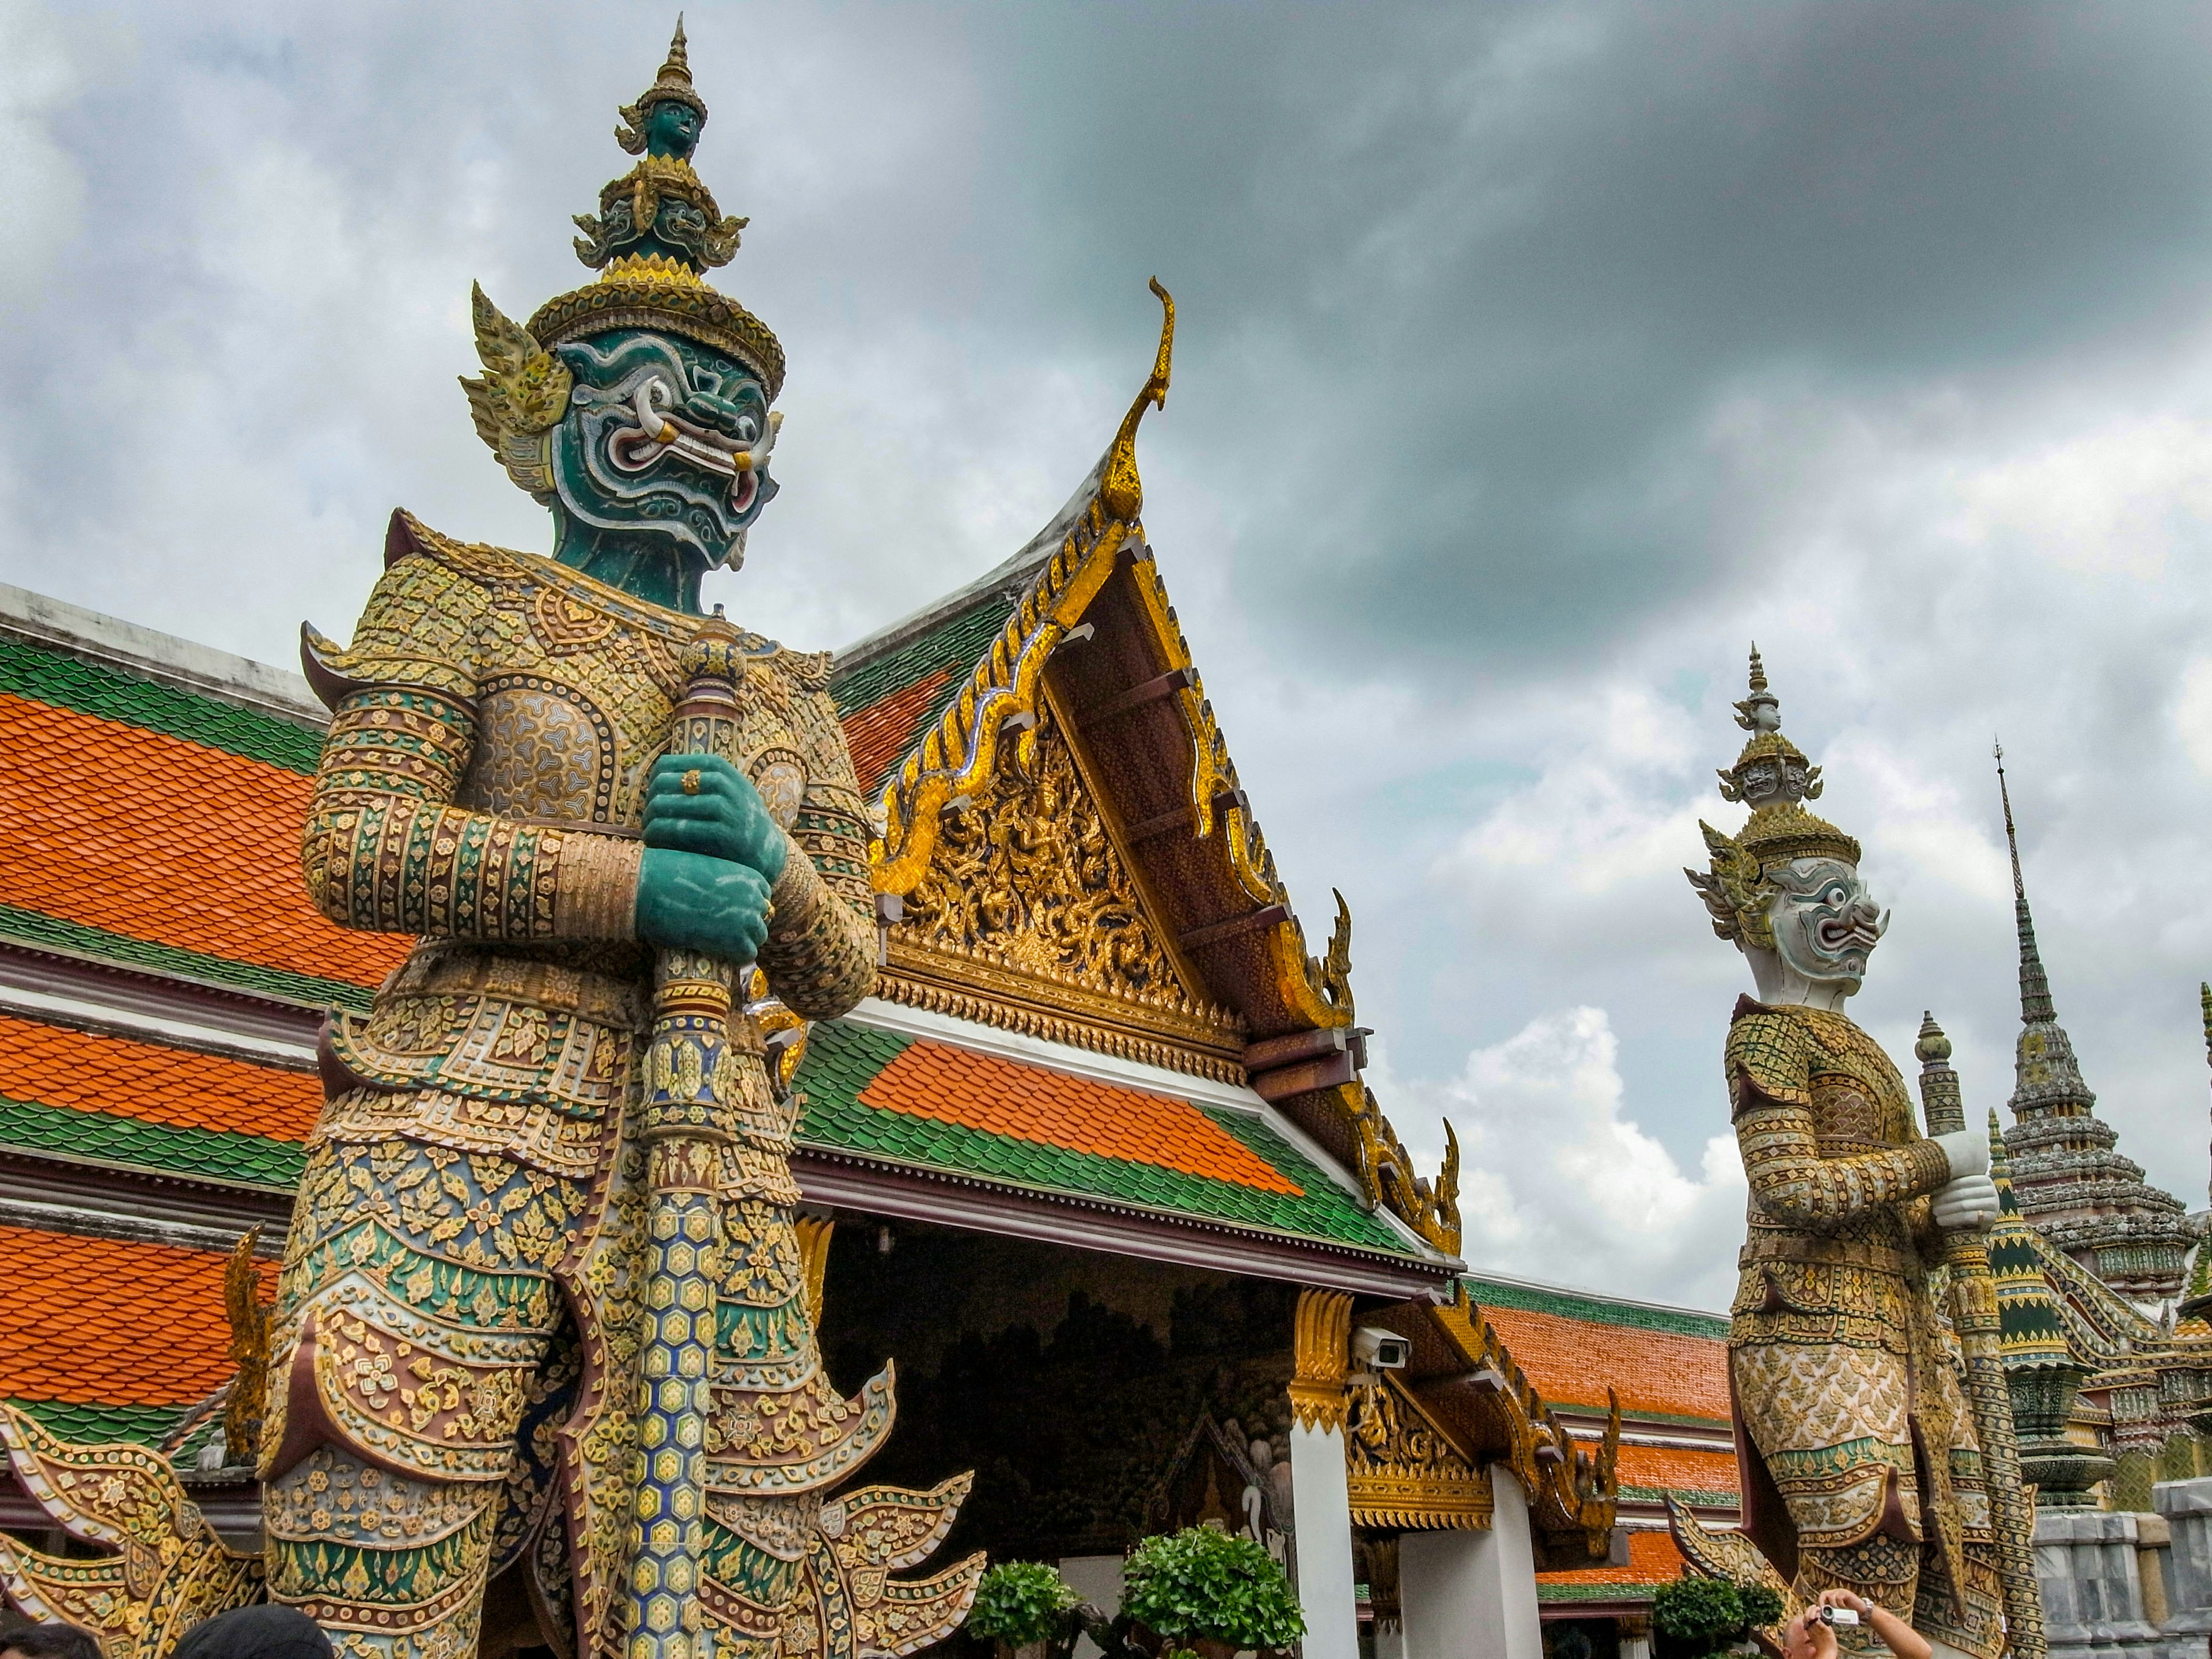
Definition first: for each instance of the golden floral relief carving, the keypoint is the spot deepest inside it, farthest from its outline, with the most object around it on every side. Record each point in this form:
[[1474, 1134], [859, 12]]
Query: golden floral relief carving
[[1028, 877]]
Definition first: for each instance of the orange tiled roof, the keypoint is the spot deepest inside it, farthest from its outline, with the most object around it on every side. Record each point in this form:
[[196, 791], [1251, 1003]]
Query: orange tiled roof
[[1683, 1471], [116, 827], [60, 1067], [1027, 1102], [1574, 1361], [95, 1320], [880, 735], [1652, 1559]]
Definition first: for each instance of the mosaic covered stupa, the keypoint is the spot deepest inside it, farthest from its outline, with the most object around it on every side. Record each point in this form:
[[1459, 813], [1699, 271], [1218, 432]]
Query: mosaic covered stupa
[[2082, 1193]]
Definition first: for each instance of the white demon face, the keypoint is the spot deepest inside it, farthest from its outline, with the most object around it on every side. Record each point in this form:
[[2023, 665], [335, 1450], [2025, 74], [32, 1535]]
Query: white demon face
[[1825, 922]]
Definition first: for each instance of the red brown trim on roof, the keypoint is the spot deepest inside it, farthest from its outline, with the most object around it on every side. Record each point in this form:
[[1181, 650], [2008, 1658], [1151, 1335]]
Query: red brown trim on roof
[[220, 1007], [95, 1190], [909, 1194]]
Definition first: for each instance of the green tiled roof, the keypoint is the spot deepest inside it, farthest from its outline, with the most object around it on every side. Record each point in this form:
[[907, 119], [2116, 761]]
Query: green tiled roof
[[106, 1138], [1603, 1590], [33, 927], [92, 1424], [956, 643], [1598, 1310], [49, 676], [841, 1058], [1694, 1500]]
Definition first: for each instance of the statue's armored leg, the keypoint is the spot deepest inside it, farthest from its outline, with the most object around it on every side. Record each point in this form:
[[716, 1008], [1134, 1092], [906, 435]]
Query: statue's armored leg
[[416, 1311], [1883, 1568], [1832, 1423]]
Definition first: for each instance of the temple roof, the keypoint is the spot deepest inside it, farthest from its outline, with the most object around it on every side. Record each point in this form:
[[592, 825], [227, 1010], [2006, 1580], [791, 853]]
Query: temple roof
[[1669, 1367], [163, 975], [105, 1338]]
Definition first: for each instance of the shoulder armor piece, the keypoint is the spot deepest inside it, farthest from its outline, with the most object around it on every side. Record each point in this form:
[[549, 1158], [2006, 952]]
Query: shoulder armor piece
[[1769, 1055]]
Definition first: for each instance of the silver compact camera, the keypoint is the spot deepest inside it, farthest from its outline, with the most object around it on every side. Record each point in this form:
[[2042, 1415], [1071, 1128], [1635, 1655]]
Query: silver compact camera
[[1832, 1616]]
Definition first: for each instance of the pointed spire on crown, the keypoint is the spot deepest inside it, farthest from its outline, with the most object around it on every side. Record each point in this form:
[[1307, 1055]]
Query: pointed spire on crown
[[658, 232], [672, 84], [1773, 778]]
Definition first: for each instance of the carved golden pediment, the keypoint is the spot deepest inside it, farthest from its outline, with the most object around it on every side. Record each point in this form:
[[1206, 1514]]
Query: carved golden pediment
[[1029, 916], [1401, 1467]]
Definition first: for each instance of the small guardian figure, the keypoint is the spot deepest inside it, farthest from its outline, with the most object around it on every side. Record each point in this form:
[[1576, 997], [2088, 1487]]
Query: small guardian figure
[[1862, 1471]]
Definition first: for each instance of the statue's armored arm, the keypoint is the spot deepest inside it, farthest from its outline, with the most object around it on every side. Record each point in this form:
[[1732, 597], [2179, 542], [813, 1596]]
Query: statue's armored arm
[[1770, 1065], [1792, 1183], [820, 956], [384, 847]]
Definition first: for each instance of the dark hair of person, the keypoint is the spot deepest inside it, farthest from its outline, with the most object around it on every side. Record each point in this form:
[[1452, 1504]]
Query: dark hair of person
[[49, 1642], [256, 1633]]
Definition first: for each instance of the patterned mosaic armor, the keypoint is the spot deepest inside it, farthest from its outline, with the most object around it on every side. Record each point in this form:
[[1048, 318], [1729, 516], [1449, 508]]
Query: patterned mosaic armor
[[1838, 1361], [457, 1328], [1864, 1470]]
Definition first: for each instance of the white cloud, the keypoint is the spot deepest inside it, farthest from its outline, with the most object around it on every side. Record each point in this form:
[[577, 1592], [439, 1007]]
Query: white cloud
[[41, 186], [1559, 1183], [2192, 714]]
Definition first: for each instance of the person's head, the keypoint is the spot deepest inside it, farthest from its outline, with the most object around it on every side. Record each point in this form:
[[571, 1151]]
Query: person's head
[[1806, 1637], [48, 1642], [257, 1633]]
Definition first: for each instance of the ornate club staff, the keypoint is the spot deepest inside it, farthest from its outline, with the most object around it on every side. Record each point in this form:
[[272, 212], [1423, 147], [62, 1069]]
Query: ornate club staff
[[1974, 1317], [684, 1124]]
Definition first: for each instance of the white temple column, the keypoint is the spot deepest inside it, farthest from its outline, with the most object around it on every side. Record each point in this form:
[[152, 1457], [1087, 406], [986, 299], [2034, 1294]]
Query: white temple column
[[1472, 1595], [1320, 1493], [1323, 1498]]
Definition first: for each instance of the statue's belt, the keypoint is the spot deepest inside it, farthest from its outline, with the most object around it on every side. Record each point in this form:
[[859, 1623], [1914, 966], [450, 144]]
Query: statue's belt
[[1830, 1253]]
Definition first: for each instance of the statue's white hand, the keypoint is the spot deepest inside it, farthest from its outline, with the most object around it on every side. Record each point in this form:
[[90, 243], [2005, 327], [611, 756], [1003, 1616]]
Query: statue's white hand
[[1971, 1200], [1968, 1151]]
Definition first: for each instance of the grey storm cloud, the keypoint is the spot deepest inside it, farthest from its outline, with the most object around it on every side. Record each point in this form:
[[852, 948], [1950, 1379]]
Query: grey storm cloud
[[1532, 357]]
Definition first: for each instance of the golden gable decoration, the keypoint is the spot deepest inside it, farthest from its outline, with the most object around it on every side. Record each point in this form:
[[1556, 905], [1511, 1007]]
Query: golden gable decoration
[[1403, 1468], [1028, 904]]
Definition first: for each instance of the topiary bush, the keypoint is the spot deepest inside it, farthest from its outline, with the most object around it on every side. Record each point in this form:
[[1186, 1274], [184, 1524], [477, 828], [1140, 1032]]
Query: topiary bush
[[1699, 1617], [1019, 1603], [1762, 1606], [1203, 1584]]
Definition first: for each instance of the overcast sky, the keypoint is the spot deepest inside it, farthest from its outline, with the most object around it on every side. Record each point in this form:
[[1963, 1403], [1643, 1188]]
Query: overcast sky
[[1533, 360]]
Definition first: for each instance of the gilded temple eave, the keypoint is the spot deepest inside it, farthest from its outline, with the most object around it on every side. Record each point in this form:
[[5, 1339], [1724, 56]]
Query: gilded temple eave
[[1072, 676]]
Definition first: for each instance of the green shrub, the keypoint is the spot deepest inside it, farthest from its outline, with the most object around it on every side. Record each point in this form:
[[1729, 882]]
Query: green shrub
[[1019, 1603], [1202, 1583], [1762, 1606], [1701, 1616]]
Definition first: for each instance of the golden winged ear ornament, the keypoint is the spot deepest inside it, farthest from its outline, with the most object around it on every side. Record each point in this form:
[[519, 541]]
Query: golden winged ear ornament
[[519, 398]]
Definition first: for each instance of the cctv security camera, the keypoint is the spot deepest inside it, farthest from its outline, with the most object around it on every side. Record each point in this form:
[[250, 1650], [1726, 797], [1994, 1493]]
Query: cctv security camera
[[1380, 1351]]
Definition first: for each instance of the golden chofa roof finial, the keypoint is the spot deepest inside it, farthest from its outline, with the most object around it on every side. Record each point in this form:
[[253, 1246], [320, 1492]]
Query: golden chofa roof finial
[[1121, 490]]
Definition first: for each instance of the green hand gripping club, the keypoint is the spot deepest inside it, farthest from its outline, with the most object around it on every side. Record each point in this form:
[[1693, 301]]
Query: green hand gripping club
[[685, 1123]]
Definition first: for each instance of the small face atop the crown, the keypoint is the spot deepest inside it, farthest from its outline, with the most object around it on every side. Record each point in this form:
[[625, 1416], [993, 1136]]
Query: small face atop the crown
[[1778, 875], [672, 128]]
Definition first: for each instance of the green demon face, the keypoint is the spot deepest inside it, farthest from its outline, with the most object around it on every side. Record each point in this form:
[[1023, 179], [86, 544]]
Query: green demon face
[[665, 442], [671, 128]]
